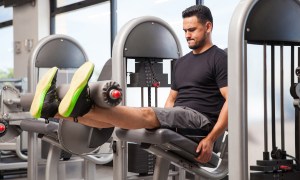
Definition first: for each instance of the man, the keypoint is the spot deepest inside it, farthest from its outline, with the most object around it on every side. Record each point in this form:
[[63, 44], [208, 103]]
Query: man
[[197, 100]]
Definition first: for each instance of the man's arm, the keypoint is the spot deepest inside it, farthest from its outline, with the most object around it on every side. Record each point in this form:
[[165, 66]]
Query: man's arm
[[171, 99], [205, 146]]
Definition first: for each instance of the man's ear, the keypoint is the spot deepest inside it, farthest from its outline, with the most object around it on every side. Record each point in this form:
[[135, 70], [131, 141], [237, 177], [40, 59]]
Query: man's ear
[[208, 26]]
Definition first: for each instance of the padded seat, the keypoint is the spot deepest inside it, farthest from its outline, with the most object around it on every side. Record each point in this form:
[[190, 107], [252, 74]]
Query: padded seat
[[169, 141]]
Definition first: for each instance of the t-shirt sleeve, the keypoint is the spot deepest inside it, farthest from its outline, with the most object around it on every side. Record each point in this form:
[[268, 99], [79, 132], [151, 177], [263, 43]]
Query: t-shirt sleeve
[[221, 71], [173, 83], [173, 86]]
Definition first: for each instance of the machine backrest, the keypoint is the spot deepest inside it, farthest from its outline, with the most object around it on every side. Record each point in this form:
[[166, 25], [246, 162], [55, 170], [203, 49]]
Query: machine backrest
[[145, 37], [152, 40], [55, 50]]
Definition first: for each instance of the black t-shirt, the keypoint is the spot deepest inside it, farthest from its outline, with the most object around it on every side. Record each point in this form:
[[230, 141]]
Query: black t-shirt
[[198, 79]]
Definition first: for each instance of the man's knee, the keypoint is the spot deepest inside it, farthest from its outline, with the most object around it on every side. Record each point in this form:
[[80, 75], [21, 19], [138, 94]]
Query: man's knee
[[150, 118]]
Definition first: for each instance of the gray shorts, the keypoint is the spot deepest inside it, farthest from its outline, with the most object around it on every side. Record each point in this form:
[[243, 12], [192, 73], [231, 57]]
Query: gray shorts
[[182, 117]]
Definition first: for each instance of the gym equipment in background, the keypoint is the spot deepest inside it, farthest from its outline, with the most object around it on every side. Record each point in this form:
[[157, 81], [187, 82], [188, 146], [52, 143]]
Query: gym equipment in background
[[254, 22], [57, 50]]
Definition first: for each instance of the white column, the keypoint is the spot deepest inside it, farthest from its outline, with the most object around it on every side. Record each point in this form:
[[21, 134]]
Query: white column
[[31, 22]]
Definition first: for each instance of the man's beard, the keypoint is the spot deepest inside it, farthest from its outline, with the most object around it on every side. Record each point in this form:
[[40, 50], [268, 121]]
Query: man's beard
[[199, 44]]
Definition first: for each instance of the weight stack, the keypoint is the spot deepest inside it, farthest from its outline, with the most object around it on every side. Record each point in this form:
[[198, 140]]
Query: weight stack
[[139, 160]]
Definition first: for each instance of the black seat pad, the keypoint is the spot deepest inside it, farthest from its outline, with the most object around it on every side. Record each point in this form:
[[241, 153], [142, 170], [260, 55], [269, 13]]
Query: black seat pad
[[168, 140]]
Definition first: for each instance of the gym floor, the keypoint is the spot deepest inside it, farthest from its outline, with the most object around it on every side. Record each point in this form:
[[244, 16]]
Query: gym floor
[[103, 173]]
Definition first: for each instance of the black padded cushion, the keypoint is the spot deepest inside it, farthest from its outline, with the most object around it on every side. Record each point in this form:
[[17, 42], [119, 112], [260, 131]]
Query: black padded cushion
[[168, 140], [60, 52]]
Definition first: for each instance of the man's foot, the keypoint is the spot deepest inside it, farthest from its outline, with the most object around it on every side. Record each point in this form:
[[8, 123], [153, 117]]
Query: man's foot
[[45, 102], [77, 101]]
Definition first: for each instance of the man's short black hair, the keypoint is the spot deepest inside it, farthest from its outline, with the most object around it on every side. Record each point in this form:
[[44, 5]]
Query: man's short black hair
[[202, 12]]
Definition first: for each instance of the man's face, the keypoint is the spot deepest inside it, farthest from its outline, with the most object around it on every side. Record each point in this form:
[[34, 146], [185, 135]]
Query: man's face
[[195, 32]]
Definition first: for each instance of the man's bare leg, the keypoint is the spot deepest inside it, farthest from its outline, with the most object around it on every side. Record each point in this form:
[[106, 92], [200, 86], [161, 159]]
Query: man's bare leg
[[76, 104], [87, 122], [120, 116]]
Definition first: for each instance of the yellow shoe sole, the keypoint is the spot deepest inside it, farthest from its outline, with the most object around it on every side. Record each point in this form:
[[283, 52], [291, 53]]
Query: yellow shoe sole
[[78, 82], [41, 91]]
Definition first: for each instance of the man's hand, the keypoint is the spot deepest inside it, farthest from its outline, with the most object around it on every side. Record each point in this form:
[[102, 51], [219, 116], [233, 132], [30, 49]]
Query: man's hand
[[204, 150], [205, 146]]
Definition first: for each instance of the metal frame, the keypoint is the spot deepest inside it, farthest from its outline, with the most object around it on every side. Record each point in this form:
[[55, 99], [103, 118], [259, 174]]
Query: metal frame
[[6, 24], [54, 10], [237, 78], [113, 22], [33, 147], [118, 75], [54, 153], [237, 99]]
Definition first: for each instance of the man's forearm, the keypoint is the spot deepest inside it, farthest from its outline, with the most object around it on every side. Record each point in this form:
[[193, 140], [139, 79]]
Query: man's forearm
[[171, 99], [221, 124], [169, 104]]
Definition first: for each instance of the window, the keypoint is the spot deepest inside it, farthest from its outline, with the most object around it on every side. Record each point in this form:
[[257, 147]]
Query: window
[[6, 14], [6, 44], [90, 26], [6, 51]]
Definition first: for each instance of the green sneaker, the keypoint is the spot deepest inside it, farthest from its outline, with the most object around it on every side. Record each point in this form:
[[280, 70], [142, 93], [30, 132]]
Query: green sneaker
[[77, 101], [45, 102]]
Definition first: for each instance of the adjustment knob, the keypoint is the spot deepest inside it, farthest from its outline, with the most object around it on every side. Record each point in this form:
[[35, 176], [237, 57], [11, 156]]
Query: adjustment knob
[[115, 94], [2, 128]]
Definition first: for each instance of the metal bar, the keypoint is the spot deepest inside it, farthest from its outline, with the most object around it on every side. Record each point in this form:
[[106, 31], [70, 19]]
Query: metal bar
[[200, 2], [282, 99], [245, 98], [13, 166], [292, 66], [6, 24], [52, 163], [53, 6], [237, 101], [273, 97], [297, 133], [149, 96], [113, 22], [298, 62], [266, 153], [297, 123], [120, 169], [19, 149], [8, 145], [156, 100], [161, 168], [89, 170], [32, 156], [142, 96]]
